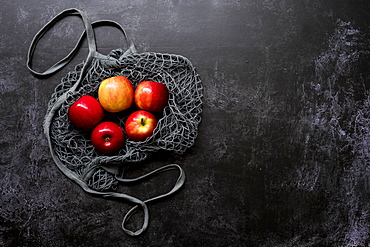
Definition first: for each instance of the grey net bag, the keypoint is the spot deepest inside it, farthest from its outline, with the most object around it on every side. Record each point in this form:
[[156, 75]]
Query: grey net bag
[[72, 150]]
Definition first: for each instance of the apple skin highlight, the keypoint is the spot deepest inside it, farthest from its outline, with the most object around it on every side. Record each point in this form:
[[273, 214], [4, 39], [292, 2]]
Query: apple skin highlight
[[86, 113], [116, 94], [107, 137], [151, 96], [140, 125]]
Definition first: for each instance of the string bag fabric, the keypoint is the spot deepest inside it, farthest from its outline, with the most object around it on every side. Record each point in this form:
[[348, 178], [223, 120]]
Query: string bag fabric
[[72, 150]]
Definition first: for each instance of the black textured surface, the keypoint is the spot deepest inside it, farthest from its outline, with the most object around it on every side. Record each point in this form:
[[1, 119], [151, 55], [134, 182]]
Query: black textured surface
[[282, 157]]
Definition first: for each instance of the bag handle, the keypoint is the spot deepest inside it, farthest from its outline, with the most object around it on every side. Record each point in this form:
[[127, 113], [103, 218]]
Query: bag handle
[[63, 62], [140, 204], [179, 182], [88, 31]]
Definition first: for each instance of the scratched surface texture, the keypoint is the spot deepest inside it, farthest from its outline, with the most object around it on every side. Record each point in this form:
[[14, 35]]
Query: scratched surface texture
[[283, 152]]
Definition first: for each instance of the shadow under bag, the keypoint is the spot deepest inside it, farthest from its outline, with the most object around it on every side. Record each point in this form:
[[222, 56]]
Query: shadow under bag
[[72, 150]]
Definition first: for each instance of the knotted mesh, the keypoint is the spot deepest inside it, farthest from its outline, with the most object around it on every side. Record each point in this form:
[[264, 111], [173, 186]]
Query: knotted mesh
[[177, 125]]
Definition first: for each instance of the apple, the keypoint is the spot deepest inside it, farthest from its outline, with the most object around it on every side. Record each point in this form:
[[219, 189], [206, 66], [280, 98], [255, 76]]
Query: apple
[[151, 96], [140, 125], [85, 113], [116, 94], [107, 137]]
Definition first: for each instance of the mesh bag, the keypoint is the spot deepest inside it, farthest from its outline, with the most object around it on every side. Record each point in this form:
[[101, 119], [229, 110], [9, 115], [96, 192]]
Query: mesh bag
[[72, 149]]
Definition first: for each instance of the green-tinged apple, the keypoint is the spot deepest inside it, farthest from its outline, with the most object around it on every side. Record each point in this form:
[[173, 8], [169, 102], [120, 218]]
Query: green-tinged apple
[[140, 125], [107, 137], [86, 113], [116, 94], [151, 96]]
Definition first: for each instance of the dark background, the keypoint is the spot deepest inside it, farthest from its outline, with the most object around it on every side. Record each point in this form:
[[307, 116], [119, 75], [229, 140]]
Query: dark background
[[282, 156]]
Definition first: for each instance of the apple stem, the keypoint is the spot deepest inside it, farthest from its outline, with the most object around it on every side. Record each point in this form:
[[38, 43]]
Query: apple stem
[[106, 139], [142, 122]]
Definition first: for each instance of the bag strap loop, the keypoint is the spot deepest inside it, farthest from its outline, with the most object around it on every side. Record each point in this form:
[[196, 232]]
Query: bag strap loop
[[179, 182], [139, 203], [63, 62], [88, 31]]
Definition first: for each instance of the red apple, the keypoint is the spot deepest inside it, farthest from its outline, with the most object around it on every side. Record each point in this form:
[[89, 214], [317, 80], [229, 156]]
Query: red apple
[[151, 96], [140, 125], [116, 94], [85, 113], [107, 137]]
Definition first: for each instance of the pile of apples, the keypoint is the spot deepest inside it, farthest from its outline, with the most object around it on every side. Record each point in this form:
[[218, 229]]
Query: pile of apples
[[116, 94]]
